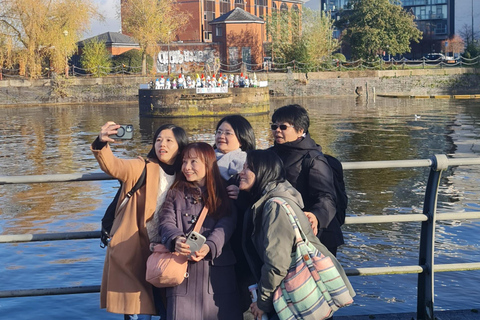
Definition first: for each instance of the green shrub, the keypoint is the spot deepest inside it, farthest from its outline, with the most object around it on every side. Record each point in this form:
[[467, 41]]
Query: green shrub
[[95, 58], [339, 56], [131, 61]]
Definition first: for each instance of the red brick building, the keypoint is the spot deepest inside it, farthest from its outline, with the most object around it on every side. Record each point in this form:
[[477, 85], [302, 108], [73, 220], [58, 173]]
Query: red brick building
[[115, 42], [231, 31], [240, 36]]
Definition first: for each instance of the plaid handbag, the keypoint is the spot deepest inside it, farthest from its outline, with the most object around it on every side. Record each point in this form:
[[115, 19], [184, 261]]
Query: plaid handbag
[[313, 288]]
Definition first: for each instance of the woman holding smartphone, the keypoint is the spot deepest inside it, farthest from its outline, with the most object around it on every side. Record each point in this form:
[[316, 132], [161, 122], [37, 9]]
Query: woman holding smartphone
[[209, 291], [124, 289]]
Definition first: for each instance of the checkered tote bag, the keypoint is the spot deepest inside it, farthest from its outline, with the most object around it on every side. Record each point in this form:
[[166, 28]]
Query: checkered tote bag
[[313, 289]]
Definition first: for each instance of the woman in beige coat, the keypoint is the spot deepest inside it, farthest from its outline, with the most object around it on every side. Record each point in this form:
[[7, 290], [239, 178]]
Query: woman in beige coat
[[124, 289]]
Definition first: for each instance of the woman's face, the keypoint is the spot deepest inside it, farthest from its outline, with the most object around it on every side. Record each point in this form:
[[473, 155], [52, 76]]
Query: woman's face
[[285, 132], [194, 168], [247, 178], [166, 146], [225, 138]]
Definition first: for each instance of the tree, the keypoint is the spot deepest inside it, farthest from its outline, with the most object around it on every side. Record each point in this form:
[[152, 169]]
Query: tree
[[283, 32], [374, 26], [150, 22], [96, 58], [317, 36], [44, 29], [454, 44], [306, 37]]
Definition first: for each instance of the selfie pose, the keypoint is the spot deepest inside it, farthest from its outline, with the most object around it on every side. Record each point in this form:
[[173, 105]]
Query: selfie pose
[[209, 291], [124, 289]]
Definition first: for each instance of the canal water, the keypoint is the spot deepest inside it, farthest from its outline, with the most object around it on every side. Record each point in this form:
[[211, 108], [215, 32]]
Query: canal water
[[55, 139]]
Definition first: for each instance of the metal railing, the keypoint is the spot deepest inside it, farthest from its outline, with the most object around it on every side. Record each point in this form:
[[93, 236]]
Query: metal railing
[[425, 269]]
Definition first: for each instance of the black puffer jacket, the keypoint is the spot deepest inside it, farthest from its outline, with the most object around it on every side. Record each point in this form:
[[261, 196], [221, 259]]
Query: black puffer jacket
[[316, 186]]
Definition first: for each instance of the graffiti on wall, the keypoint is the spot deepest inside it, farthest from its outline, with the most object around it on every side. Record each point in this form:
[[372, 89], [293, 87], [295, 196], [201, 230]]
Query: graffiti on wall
[[185, 59]]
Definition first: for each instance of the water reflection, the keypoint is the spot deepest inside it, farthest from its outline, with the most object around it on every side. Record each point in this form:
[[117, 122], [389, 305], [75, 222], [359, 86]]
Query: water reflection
[[48, 140]]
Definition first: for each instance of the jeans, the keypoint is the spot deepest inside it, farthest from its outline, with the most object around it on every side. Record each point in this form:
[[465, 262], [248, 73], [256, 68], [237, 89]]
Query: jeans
[[137, 317], [161, 310]]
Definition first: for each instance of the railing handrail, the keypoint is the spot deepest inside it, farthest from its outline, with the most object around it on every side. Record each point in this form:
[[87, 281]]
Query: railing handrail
[[425, 269], [353, 165]]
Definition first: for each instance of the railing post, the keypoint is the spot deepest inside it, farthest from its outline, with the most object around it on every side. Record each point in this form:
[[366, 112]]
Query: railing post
[[425, 291]]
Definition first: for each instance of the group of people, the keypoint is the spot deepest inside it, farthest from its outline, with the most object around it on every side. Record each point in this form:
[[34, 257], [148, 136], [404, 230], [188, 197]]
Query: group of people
[[249, 238], [182, 82]]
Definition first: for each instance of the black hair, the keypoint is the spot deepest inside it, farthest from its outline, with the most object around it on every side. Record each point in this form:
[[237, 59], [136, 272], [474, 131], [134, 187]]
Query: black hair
[[243, 130], [294, 114], [180, 136], [267, 167]]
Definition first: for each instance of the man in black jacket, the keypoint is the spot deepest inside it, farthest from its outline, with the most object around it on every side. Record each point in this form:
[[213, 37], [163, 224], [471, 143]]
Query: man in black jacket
[[314, 181]]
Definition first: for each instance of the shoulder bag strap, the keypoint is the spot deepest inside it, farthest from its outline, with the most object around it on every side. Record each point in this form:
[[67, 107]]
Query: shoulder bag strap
[[299, 234], [200, 220], [140, 182]]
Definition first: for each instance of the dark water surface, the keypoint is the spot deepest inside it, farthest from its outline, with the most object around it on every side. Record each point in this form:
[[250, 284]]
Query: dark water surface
[[56, 139]]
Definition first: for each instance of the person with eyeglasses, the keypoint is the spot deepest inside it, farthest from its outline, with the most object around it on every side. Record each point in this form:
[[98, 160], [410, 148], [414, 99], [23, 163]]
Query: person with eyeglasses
[[292, 143], [234, 136]]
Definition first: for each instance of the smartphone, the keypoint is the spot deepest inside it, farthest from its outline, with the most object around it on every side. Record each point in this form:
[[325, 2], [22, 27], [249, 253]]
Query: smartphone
[[195, 240], [124, 132]]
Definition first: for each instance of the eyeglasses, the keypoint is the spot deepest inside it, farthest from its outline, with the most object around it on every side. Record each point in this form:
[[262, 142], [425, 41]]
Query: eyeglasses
[[282, 127], [226, 133]]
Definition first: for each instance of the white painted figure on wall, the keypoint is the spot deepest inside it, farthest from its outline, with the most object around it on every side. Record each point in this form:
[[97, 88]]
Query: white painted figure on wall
[[182, 58]]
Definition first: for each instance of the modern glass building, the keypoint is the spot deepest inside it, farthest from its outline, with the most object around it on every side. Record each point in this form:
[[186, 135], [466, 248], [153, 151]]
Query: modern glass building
[[434, 17]]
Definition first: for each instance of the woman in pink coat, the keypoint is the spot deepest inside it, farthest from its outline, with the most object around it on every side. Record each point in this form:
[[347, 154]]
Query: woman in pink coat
[[124, 289], [210, 291]]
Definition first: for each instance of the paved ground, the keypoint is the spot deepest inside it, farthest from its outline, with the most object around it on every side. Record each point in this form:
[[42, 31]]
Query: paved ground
[[473, 314], [439, 315]]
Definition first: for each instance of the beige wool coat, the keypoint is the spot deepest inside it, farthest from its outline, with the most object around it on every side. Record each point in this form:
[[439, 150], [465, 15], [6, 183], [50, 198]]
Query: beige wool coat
[[124, 289]]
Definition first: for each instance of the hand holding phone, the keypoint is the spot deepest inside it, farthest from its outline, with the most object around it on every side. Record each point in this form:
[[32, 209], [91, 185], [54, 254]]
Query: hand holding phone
[[124, 132], [195, 240]]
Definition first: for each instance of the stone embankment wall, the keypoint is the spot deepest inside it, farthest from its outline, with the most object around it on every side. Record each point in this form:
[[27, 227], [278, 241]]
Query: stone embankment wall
[[448, 81], [395, 82]]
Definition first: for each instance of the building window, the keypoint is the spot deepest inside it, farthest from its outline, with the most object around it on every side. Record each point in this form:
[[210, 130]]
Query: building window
[[233, 56], [240, 4], [283, 7], [218, 31]]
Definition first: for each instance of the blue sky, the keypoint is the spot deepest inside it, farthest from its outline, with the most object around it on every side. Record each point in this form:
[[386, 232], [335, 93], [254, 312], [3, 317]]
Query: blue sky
[[108, 8]]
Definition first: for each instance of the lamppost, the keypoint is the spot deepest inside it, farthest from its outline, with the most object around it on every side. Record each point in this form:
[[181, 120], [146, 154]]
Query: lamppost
[[168, 49], [65, 33]]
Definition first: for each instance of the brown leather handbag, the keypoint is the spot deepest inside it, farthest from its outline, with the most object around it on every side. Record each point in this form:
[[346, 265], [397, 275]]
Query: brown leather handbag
[[169, 269]]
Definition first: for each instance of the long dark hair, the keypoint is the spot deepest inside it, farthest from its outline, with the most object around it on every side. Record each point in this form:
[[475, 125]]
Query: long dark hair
[[215, 195], [267, 167], [243, 130], [180, 136]]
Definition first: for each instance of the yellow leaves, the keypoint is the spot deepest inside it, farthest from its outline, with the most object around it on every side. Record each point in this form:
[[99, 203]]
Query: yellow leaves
[[36, 29], [152, 21]]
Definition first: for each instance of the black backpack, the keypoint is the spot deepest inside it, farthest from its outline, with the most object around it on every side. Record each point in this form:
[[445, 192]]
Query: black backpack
[[340, 192], [109, 216]]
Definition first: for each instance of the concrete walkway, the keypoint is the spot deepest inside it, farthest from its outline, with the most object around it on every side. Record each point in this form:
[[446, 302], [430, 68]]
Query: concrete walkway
[[473, 314], [439, 315]]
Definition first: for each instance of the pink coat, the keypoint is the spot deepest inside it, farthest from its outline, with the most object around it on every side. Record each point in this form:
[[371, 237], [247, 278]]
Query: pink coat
[[124, 289]]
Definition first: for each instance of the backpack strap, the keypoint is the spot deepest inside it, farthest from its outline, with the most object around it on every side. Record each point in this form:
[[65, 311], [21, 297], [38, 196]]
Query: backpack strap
[[140, 182]]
